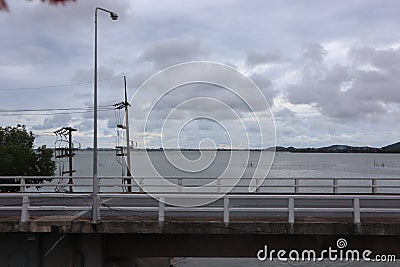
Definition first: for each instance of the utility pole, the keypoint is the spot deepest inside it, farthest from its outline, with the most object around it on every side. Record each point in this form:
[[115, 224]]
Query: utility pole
[[67, 152], [125, 105]]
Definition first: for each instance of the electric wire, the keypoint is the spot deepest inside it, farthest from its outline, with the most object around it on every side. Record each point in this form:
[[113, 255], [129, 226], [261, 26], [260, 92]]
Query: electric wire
[[123, 213], [55, 85], [34, 112], [52, 109], [51, 114]]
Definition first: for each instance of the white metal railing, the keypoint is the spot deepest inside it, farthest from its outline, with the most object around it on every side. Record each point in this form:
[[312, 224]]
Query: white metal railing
[[32, 202], [30, 199], [309, 185]]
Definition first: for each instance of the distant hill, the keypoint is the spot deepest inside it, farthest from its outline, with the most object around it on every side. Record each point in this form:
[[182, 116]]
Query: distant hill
[[349, 149], [394, 148], [337, 148]]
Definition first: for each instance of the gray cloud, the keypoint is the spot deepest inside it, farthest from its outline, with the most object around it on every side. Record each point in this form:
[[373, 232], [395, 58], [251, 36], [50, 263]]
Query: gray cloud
[[295, 52], [265, 86], [171, 51], [59, 120], [358, 91], [313, 51], [85, 125], [380, 81], [284, 113], [254, 58]]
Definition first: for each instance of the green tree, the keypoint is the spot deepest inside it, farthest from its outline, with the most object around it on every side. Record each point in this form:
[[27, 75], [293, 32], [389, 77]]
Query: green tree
[[18, 158]]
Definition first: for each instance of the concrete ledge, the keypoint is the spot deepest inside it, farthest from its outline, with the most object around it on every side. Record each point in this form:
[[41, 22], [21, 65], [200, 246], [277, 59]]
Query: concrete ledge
[[202, 227]]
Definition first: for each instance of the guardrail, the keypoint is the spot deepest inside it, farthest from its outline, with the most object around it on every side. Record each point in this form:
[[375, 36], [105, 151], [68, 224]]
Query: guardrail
[[275, 185], [31, 198], [45, 202]]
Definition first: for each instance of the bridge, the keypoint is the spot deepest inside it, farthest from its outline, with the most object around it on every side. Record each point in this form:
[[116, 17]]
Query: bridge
[[285, 213]]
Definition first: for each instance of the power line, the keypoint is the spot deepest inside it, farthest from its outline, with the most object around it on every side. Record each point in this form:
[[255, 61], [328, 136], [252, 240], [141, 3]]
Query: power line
[[50, 114], [55, 85], [53, 109], [20, 112]]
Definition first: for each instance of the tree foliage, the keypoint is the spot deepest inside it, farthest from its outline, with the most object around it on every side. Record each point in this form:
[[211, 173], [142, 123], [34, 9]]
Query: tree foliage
[[18, 158]]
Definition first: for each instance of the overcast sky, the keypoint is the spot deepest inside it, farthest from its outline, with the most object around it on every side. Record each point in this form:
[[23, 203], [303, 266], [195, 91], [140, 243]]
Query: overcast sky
[[330, 70]]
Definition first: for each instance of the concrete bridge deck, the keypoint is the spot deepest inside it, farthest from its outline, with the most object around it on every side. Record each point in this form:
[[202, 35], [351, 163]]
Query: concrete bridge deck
[[125, 241], [44, 227]]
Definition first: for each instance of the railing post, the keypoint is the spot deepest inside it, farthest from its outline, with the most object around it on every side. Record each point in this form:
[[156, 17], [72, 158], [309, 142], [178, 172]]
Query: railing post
[[296, 185], [257, 186], [25, 209], [141, 185], [96, 214], [226, 209], [374, 186], [335, 185], [22, 188], [180, 184], [356, 208], [161, 210], [291, 209], [25, 202]]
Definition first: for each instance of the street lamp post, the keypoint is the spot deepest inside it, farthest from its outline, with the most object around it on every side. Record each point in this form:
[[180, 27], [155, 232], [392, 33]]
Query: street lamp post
[[95, 205]]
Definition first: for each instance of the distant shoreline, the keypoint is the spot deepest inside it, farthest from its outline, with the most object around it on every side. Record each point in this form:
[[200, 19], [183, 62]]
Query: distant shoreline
[[390, 149]]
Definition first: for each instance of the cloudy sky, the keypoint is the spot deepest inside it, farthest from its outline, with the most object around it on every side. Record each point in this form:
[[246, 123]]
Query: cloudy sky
[[330, 70]]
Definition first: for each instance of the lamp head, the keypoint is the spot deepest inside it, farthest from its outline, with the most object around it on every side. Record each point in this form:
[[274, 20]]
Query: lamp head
[[114, 15]]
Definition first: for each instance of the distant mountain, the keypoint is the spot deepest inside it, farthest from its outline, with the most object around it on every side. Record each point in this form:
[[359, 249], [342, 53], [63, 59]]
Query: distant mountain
[[339, 148], [393, 148], [349, 149]]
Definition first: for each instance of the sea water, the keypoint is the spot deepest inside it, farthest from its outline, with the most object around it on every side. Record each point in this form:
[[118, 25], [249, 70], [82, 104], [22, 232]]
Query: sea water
[[285, 165]]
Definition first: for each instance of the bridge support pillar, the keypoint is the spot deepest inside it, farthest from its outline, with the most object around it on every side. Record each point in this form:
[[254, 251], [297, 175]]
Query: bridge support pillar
[[92, 249]]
